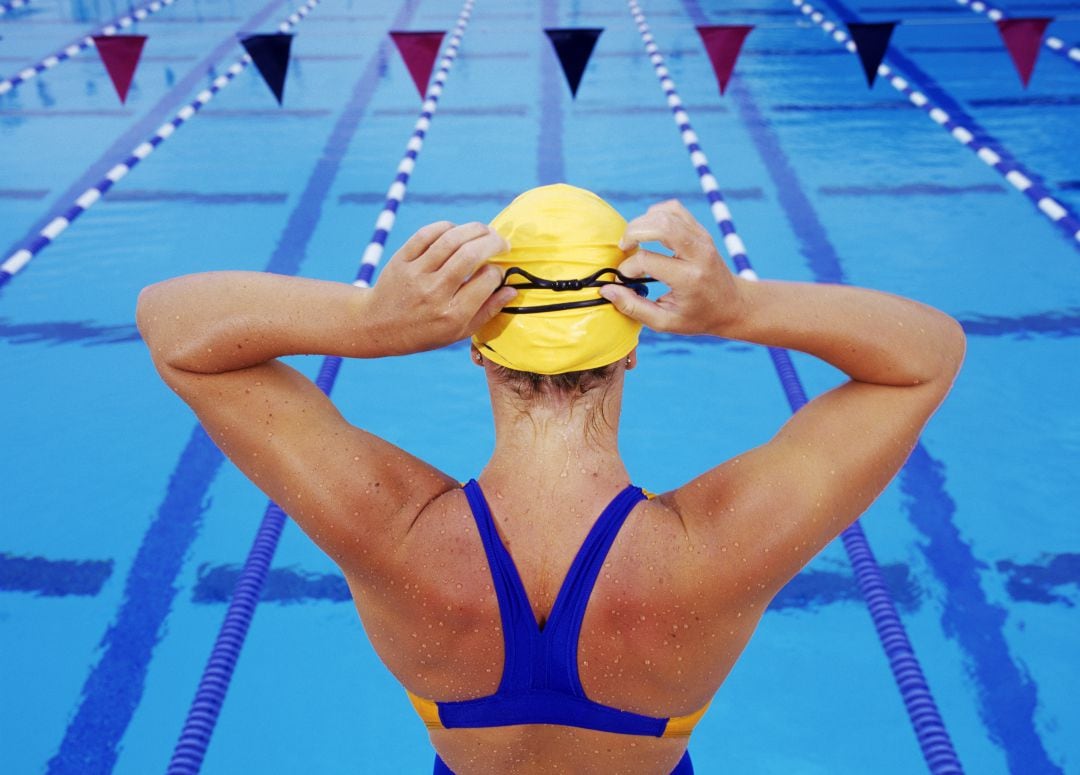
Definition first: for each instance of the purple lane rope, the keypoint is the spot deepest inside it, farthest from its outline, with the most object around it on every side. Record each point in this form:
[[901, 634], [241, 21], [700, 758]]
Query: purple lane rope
[[202, 716], [989, 150], [933, 738], [35, 243], [86, 41]]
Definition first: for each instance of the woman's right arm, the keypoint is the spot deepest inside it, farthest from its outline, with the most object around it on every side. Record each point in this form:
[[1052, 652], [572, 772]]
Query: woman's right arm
[[779, 504]]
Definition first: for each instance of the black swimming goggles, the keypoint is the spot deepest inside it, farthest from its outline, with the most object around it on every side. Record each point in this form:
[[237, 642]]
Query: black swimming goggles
[[532, 282]]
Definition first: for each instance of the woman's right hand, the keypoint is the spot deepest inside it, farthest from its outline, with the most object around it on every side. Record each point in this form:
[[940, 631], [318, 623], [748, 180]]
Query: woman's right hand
[[705, 297], [437, 288]]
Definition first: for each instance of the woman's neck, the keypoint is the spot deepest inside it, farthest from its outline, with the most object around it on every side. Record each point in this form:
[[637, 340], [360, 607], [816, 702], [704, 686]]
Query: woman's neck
[[557, 443]]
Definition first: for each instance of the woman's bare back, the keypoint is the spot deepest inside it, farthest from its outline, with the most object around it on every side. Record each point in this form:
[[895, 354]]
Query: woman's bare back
[[661, 631]]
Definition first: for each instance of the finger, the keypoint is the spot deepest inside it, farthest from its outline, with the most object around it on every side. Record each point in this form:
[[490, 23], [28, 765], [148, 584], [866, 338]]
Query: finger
[[447, 243], [634, 306], [668, 270], [688, 242], [478, 290], [677, 209], [671, 206], [468, 258], [491, 308], [422, 240]]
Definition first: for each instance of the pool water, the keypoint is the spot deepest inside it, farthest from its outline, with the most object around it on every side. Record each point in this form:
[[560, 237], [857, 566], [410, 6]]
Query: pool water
[[123, 528]]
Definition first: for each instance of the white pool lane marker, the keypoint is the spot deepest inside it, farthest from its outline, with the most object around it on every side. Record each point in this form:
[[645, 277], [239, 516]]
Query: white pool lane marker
[[85, 42], [986, 148], [54, 228], [1052, 42]]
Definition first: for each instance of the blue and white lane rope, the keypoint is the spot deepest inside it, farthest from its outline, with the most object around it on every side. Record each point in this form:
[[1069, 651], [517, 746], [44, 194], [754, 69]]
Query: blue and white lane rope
[[989, 150], [35, 243], [1052, 42], [929, 728], [73, 48], [12, 5], [202, 716]]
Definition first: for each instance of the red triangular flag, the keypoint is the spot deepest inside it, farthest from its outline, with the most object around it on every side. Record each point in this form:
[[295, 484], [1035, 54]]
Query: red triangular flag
[[723, 43], [573, 47], [270, 53], [120, 55], [419, 50], [871, 39], [1023, 38]]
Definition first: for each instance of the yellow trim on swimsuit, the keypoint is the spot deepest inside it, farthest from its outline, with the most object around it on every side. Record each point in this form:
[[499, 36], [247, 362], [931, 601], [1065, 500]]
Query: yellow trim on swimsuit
[[682, 726], [428, 711]]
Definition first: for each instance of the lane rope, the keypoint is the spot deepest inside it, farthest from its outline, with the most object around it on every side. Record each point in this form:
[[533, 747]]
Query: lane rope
[[35, 243], [1052, 42], [202, 716], [989, 150], [929, 727], [85, 42]]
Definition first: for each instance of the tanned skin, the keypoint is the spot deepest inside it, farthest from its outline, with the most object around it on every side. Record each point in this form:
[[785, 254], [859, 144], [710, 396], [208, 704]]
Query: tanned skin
[[691, 572]]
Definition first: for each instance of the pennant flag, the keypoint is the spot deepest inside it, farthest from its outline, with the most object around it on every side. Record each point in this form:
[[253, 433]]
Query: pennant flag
[[419, 50], [1023, 38], [723, 43], [871, 39], [270, 53], [574, 46], [120, 55]]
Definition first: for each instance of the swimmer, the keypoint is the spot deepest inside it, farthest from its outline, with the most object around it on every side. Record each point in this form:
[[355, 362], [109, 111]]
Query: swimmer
[[549, 616]]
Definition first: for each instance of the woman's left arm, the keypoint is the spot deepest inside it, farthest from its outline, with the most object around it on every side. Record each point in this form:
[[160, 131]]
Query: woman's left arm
[[215, 339]]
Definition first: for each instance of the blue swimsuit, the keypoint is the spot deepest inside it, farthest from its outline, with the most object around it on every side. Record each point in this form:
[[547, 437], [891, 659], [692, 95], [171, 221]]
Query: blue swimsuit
[[540, 682]]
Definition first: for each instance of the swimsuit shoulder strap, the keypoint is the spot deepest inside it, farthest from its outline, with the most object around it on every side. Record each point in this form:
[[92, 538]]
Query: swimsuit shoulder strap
[[564, 624], [518, 622]]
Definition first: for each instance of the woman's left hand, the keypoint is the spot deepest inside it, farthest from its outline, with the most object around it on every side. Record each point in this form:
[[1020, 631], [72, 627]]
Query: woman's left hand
[[436, 289]]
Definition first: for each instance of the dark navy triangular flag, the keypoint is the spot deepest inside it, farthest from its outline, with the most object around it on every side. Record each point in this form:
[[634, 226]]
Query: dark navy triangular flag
[[270, 53], [871, 39], [1023, 39], [723, 43], [574, 47], [120, 55], [419, 50]]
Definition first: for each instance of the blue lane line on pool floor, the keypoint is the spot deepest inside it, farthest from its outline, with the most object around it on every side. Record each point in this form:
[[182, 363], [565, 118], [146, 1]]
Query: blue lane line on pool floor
[[968, 615], [53, 578], [1008, 698], [550, 165], [115, 685]]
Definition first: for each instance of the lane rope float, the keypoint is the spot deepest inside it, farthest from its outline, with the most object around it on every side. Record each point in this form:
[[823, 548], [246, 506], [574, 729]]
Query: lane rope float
[[202, 716], [933, 737]]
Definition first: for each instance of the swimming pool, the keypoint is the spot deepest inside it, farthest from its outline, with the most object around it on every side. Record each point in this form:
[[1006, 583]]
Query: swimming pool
[[123, 528]]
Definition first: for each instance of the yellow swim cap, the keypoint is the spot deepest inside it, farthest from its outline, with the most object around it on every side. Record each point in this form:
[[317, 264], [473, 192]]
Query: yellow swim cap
[[559, 232]]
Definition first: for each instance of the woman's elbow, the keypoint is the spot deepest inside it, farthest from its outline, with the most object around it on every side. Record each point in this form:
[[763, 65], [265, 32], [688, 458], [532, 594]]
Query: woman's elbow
[[952, 345], [152, 319]]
